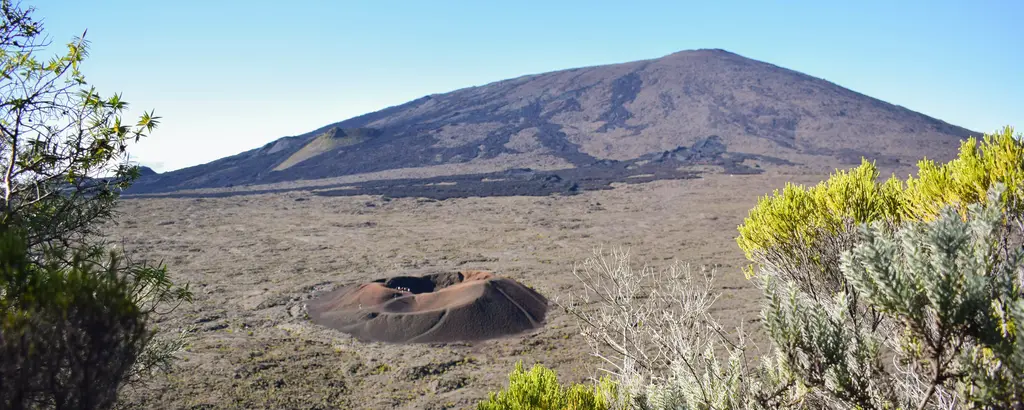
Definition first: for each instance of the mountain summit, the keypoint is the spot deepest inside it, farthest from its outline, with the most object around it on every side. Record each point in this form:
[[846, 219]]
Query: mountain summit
[[572, 118]]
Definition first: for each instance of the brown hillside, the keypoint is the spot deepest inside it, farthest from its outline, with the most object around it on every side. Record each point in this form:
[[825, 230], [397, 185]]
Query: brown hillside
[[581, 116]]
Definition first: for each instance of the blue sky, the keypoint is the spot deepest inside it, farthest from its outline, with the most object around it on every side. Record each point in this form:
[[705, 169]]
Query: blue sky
[[227, 76]]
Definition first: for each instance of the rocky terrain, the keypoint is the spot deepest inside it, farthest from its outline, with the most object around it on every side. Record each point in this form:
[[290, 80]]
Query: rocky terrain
[[255, 261]]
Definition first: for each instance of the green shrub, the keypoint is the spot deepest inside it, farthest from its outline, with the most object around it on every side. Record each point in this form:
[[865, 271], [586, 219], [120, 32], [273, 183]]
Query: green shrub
[[878, 295], [69, 333], [799, 216], [997, 158], [949, 300], [800, 232], [76, 320], [931, 320], [538, 389]]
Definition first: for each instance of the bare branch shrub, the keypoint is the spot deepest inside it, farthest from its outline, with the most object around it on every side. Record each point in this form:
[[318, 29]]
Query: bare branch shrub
[[652, 329], [947, 336]]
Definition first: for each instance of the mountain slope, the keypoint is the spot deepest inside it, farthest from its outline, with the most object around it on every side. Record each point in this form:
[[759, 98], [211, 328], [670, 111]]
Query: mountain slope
[[576, 117]]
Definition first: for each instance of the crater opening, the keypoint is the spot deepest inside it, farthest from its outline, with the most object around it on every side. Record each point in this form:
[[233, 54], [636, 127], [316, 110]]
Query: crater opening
[[439, 307], [422, 284]]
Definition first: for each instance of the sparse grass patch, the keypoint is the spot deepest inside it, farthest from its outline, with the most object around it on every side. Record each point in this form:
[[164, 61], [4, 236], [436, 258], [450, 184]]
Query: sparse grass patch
[[381, 369]]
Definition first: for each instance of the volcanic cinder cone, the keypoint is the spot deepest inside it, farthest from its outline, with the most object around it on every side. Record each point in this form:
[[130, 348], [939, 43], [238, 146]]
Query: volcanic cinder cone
[[442, 307]]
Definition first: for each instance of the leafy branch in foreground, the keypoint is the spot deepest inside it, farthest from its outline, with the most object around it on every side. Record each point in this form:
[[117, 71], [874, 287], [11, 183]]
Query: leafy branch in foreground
[[76, 319]]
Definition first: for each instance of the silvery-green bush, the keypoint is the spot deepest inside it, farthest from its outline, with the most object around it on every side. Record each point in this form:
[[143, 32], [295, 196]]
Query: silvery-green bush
[[945, 301], [931, 318]]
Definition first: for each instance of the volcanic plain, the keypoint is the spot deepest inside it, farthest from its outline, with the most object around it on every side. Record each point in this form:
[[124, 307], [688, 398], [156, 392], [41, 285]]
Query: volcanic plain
[[255, 260]]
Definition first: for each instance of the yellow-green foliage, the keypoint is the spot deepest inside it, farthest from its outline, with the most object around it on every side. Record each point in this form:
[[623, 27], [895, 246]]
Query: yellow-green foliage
[[799, 216], [966, 179], [538, 389]]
